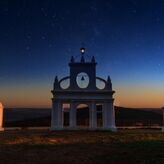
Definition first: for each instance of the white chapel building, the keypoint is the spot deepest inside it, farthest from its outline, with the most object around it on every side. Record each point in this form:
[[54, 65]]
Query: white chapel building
[[82, 100]]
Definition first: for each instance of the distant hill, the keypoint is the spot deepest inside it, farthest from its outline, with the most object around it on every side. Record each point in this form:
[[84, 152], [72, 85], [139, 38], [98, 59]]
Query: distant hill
[[42, 117], [138, 116], [13, 114], [27, 117]]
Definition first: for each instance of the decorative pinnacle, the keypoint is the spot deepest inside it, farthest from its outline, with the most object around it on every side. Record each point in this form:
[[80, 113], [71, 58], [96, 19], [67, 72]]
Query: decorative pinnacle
[[109, 84], [56, 83], [72, 59], [108, 79], [56, 79], [93, 59]]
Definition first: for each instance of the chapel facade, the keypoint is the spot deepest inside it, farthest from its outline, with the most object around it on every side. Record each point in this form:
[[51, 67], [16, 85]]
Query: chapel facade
[[82, 91]]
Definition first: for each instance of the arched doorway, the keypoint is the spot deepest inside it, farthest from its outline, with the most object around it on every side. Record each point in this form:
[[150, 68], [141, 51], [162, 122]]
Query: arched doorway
[[82, 115]]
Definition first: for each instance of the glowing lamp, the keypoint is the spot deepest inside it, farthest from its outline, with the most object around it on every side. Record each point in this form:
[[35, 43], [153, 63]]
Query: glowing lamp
[[82, 50]]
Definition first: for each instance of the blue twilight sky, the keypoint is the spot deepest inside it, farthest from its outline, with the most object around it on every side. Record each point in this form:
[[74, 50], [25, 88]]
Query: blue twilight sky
[[38, 37]]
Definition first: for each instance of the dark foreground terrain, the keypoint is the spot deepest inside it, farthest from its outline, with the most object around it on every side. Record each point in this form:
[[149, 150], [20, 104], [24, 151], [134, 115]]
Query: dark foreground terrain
[[32, 117], [45, 147]]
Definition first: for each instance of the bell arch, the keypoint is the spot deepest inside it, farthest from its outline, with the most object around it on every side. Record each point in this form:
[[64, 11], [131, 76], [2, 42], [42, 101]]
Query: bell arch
[[82, 115]]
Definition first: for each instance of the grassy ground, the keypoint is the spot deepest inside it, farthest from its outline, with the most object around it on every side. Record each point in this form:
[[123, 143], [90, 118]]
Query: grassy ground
[[45, 147]]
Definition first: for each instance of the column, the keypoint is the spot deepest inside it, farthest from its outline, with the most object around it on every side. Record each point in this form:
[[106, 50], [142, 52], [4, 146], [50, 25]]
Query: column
[[72, 119], [60, 115], [113, 122], [1, 117], [92, 115], [104, 115], [109, 116], [56, 114]]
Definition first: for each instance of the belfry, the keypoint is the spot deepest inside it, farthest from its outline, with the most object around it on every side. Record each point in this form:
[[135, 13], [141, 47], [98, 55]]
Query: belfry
[[83, 90]]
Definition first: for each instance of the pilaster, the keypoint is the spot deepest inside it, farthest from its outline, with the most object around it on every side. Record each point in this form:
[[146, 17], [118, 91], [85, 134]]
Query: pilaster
[[56, 120], [109, 116], [93, 116], [72, 120]]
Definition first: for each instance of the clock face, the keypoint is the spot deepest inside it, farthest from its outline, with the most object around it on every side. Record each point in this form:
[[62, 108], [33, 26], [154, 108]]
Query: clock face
[[82, 80]]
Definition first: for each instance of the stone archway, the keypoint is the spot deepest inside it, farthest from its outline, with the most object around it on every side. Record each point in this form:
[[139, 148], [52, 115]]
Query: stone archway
[[82, 115]]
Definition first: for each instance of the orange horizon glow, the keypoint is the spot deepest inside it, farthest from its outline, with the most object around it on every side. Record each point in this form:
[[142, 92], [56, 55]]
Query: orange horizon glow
[[140, 97], [37, 96]]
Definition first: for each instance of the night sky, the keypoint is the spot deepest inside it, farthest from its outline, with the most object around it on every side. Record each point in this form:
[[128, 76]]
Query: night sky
[[38, 37]]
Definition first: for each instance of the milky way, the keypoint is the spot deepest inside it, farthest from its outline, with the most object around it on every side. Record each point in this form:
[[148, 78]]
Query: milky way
[[37, 39]]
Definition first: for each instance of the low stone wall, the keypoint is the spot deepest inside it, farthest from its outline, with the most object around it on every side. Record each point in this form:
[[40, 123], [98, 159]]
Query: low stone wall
[[1, 117]]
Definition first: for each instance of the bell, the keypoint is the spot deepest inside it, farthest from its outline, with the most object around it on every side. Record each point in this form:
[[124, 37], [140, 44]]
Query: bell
[[82, 79]]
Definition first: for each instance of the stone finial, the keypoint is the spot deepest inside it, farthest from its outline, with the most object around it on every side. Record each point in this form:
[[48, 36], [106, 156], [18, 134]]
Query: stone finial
[[109, 83], [56, 79], [56, 83], [109, 79], [93, 59], [72, 59]]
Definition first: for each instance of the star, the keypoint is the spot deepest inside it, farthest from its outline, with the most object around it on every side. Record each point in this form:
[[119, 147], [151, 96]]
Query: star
[[158, 20], [43, 37], [134, 11], [27, 48], [50, 45], [54, 16], [29, 37]]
